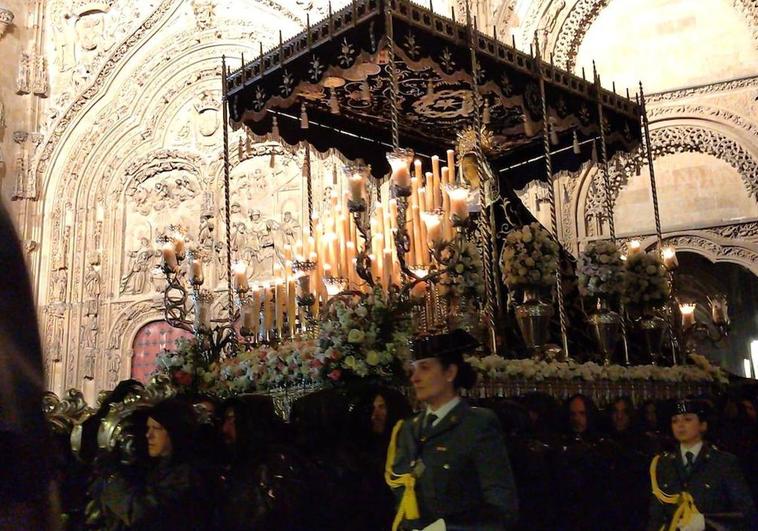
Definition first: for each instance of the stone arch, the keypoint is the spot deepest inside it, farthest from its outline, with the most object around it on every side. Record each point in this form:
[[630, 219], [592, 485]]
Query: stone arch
[[569, 36], [712, 245]]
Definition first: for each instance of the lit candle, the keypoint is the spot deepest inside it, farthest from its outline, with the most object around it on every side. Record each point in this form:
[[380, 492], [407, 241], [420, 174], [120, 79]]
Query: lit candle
[[202, 301], [688, 314], [669, 258], [356, 185], [239, 270], [429, 192], [195, 269], [179, 245], [400, 160], [634, 247], [433, 224], [169, 256], [458, 204]]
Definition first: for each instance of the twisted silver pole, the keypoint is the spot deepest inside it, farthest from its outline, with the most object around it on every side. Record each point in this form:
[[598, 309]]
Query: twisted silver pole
[[551, 197], [394, 111], [485, 227], [308, 185], [604, 159], [227, 202], [649, 154]]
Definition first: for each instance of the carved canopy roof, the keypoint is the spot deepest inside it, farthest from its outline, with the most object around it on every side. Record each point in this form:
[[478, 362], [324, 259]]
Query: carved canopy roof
[[338, 68]]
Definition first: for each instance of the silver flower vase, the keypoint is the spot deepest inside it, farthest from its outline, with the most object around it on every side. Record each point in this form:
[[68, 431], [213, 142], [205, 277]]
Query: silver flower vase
[[651, 329], [533, 318], [606, 327]]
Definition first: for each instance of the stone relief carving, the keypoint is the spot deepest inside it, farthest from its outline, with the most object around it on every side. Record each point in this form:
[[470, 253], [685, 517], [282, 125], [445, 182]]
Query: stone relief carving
[[205, 13], [165, 191], [678, 139], [6, 19], [711, 88], [744, 231], [39, 79], [23, 76], [53, 333], [704, 110], [140, 262], [207, 118], [19, 190], [92, 288], [64, 40]]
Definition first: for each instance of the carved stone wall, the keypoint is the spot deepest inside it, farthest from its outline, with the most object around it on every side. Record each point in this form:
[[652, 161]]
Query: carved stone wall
[[127, 140]]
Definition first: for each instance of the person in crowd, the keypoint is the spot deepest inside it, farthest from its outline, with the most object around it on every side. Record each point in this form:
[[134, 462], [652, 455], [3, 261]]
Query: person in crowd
[[697, 486], [362, 453], [27, 492], [448, 464], [171, 494], [264, 485], [581, 416]]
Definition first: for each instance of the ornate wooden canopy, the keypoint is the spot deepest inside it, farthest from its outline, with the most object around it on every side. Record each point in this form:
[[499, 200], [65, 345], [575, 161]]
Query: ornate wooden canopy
[[337, 72]]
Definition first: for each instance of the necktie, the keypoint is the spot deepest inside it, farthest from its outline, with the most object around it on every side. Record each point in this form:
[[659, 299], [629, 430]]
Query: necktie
[[690, 462], [430, 418]]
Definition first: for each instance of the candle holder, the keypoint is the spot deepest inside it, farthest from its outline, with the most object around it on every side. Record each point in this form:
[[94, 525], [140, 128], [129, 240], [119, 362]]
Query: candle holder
[[195, 259], [694, 332], [202, 300], [358, 175], [335, 285]]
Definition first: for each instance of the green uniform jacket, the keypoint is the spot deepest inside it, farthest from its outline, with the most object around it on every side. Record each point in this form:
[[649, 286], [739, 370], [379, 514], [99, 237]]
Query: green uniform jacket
[[715, 483], [462, 468]]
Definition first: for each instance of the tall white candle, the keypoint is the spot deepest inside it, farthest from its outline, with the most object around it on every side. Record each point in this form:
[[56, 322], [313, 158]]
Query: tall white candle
[[169, 256]]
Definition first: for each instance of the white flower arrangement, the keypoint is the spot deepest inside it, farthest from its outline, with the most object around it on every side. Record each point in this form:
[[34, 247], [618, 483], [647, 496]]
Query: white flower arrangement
[[601, 270], [645, 282], [529, 257], [496, 368]]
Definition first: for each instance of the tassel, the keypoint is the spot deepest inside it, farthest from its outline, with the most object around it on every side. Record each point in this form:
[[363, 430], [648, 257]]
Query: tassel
[[486, 117], [594, 152], [575, 145], [553, 133], [248, 143], [334, 105], [240, 150], [528, 127], [272, 162], [365, 91], [303, 117]]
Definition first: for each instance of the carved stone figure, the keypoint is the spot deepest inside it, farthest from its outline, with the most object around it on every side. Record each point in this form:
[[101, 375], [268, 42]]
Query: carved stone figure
[[89, 30], [60, 283], [39, 80], [140, 262], [239, 236], [114, 366], [98, 235], [205, 13], [92, 286], [89, 331], [22, 79], [19, 191], [88, 369], [61, 259], [205, 233], [64, 38], [290, 229], [54, 333]]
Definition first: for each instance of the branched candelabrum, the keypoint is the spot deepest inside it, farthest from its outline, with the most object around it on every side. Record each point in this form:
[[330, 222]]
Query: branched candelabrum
[[359, 210], [694, 332], [305, 297], [212, 335]]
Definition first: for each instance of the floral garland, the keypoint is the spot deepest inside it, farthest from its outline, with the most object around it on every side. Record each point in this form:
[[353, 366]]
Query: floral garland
[[266, 368], [185, 368], [497, 368], [529, 257], [645, 282], [600, 270], [364, 335]]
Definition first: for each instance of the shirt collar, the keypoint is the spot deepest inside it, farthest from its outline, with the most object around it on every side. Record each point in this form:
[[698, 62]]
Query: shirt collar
[[695, 449], [443, 410]]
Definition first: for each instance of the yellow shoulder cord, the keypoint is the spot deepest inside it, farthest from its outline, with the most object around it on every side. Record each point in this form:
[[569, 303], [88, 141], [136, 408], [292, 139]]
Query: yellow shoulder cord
[[686, 503], [408, 507]]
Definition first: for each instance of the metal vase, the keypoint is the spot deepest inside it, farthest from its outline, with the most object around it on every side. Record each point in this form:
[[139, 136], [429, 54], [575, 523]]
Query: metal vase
[[606, 326], [533, 318], [651, 329]]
